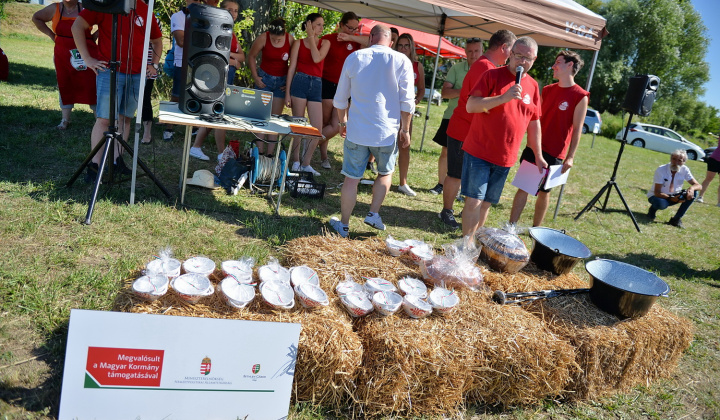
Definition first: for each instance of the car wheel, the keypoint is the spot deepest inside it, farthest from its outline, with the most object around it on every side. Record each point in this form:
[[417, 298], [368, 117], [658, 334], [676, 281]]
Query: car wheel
[[585, 129], [638, 143], [692, 155]]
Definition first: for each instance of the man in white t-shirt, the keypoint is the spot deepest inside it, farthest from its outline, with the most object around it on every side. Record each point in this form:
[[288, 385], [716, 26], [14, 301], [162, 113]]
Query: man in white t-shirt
[[667, 189], [380, 82]]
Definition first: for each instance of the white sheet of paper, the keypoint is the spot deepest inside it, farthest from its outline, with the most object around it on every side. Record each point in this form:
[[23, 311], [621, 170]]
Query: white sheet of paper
[[528, 178], [556, 177]]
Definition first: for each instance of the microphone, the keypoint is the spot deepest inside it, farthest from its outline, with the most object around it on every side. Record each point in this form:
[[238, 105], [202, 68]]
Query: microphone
[[518, 74]]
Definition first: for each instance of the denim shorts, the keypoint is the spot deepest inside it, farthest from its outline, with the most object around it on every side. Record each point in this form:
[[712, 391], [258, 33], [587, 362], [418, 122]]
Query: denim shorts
[[128, 92], [177, 81], [355, 159], [306, 87], [482, 180], [273, 84]]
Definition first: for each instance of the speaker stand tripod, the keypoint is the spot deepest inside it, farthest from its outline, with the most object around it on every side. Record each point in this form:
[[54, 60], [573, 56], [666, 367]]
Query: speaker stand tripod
[[110, 137], [611, 183]]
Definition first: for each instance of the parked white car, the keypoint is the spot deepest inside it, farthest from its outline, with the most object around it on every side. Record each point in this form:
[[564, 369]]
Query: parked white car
[[591, 118], [436, 96], [660, 139]]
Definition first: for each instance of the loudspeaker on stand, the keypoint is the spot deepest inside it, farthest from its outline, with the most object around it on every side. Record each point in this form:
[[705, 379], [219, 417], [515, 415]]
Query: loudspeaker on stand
[[640, 96]]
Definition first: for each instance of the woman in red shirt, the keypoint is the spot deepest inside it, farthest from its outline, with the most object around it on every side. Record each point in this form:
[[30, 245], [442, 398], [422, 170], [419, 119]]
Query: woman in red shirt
[[406, 45], [304, 83], [271, 74]]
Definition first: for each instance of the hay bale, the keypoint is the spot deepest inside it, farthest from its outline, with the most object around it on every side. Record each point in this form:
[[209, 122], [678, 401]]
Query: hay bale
[[615, 355], [329, 352]]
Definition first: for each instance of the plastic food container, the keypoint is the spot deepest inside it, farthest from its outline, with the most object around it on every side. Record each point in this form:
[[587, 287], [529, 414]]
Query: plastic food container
[[443, 301], [199, 265], [277, 294], [412, 286], [274, 272], [416, 307], [357, 304], [311, 295], [387, 303], [236, 294], [396, 248], [168, 266], [502, 251], [192, 287], [303, 274], [242, 269], [421, 253], [151, 287], [376, 284], [347, 287]]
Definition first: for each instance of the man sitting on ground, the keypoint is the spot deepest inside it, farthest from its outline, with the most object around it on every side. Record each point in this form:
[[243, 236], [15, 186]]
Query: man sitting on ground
[[667, 188]]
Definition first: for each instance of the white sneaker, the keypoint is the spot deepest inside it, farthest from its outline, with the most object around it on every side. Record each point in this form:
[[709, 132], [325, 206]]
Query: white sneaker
[[168, 135], [700, 199], [295, 167], [405, 189], [341, 229], [375, 221], [197, 153], [309, 169], [326, 164], [219, 156]]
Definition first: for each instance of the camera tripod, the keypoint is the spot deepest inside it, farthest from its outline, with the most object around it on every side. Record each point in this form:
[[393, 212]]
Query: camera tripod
[[611, 183], [110, 137]]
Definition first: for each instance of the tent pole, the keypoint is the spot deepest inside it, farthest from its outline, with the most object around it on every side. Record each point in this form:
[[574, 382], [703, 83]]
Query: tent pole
[[432, 85], [587, 87]]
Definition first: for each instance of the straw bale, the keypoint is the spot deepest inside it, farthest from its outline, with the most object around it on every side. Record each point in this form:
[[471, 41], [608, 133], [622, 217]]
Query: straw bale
[[615, 355], [329, 351]]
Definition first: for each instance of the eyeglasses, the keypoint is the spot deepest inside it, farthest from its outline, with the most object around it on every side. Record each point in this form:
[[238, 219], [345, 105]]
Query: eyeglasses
[[403, 46], [472, 40], [521, 57], [350, 28]]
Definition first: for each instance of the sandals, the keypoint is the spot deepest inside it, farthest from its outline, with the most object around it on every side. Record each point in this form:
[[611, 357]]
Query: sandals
[[63, 124], [146, 142]]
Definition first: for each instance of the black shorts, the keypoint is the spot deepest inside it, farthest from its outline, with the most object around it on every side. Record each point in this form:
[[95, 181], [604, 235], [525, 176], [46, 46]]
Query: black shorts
[[328, 89], [529, 156], [455, 156], [713, 165], [441, 134]]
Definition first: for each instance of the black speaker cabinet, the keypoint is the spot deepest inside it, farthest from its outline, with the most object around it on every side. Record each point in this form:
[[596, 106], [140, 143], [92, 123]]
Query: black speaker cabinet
[[206, 54], [640, 96], [119, 7]]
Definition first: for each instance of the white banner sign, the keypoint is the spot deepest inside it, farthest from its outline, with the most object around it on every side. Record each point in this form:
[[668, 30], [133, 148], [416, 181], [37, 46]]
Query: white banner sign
[[139, 366]]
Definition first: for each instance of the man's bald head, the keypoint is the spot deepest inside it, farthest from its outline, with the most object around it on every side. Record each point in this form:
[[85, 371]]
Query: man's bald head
[[380, 34]]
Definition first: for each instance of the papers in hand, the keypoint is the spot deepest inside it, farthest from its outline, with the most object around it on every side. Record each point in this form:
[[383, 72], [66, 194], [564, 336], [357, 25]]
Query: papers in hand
[[529, 179]]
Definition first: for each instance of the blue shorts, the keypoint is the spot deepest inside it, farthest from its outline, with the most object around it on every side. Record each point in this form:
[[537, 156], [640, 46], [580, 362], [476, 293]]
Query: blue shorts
[[355, 159], [177, 81], [306, 87], [482, 180], [273, 84], [126, 100]]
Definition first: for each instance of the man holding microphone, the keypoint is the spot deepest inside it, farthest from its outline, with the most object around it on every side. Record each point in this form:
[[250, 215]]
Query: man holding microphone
[[506, 104]]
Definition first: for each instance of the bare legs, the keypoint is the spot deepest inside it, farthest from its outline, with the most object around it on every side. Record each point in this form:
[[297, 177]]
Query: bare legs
[[98, 132], [314, 110], [706, 183], [348, 197], [475, 214]]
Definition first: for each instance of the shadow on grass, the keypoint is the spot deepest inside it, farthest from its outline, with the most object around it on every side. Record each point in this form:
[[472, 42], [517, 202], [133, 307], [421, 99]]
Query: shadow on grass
[[45, 397], [21, 74]]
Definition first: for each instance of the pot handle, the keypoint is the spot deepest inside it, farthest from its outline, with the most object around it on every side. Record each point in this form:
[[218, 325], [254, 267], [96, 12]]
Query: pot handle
[[563, 231], [557, 251]]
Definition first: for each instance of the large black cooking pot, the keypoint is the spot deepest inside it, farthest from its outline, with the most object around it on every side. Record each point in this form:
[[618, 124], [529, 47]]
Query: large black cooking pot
[[555, 251], [623, 289]]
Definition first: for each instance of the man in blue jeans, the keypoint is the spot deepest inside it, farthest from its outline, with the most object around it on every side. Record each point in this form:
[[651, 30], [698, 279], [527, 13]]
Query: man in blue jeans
[[371, 125], [668, 190]]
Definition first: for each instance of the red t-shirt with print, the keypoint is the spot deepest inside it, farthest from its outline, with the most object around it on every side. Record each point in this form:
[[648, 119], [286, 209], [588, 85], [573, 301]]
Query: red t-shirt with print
[[496, 135], [335, 58], [558, 110]]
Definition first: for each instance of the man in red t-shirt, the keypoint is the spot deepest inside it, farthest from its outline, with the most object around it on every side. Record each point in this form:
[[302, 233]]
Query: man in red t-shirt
[[496, 55], [131, 59], [503, 111], [564, 105]]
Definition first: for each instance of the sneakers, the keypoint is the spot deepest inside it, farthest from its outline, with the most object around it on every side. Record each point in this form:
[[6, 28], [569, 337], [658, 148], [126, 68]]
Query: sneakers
[[326, 164], [168, 135], [295, 167], [448, 218], [220, 155], [676, 222], [309, 169], [405, 189], [120, 168], [651, 213], [437, 189], [197, 153], [374, 220], [342, 229], [700, 199], [372, 167]]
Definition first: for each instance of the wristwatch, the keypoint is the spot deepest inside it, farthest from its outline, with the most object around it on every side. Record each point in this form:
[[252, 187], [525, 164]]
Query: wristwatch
[[156, 66]]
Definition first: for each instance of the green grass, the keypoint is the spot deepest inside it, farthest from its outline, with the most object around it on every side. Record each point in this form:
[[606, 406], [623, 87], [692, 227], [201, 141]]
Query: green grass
[[50, 262]]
